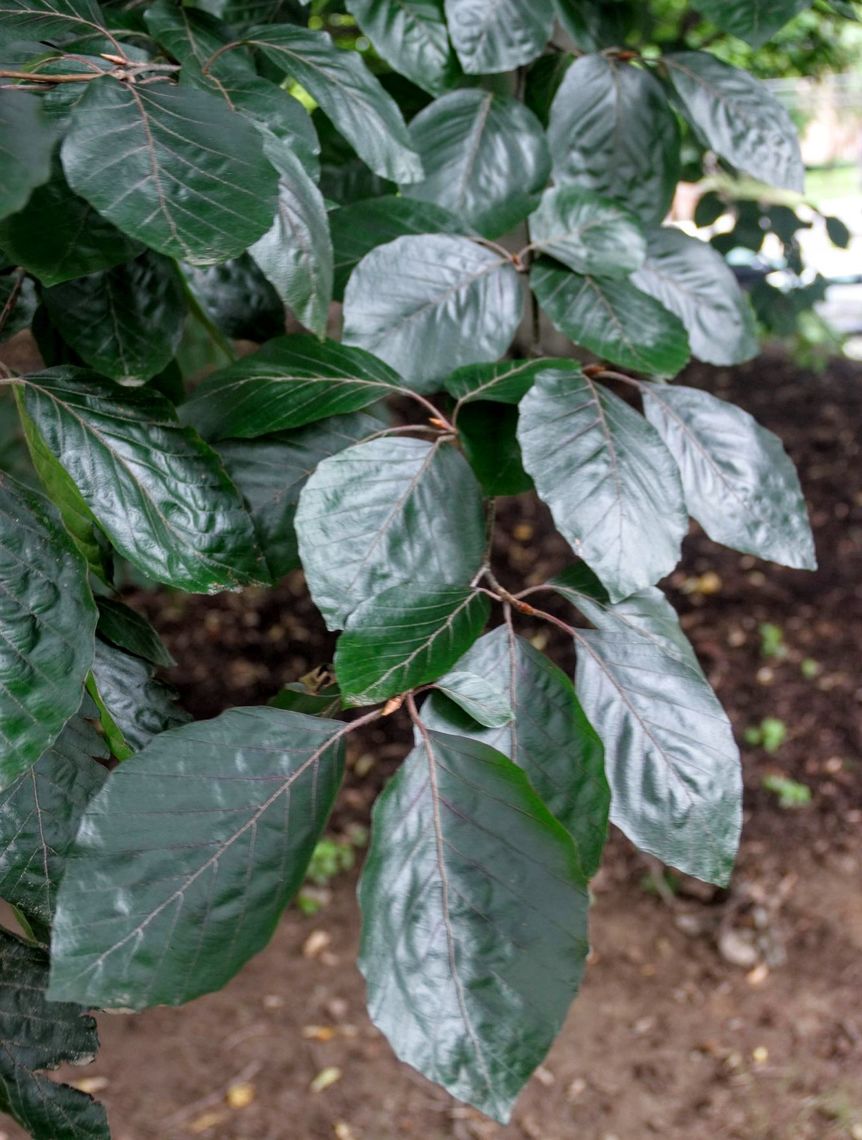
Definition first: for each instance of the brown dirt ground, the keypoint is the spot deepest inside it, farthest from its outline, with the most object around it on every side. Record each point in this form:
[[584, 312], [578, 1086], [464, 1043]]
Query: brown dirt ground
[[704, 1014]]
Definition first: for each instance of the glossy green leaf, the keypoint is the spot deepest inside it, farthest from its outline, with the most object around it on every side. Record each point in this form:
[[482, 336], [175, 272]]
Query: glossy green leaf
[[18, 303], [505, 381], [428, 304], [271, 471], [171, 166], [485, 158], [488, 434], [361, 226], [474, 914], [48, 19], [611, 484], [693, 281], [238, 298], [27, 138], [612, 131], [738, 481], [193, 37], [411, 36], [295, 254], [156, 489], [405, 637], [388, 512], [295, 697], [189, 855], [498, 35], [292, 381], [549, 737], [138, 705], [39, 1034], [130, 630], [47, 621], [755, 21], [482, 700], [613, 319], [738, 117], [125, 322], [588, 233], [347, 93]]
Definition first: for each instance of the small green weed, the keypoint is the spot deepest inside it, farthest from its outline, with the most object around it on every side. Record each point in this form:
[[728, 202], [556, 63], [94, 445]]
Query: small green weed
[[791, 794]]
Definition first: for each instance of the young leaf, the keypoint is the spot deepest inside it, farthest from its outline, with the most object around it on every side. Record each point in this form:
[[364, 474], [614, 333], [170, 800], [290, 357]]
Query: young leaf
[[411, 36], [125, 322], [27, 138], [348, 94], [474, 892], [738, 117], [547, 734], [384, 513], [498, 35], [156, 489], [129, 630], [189, 855], [405, 637], [139, 706], [737, 479], [611, 131], [418, 302], [39, 1034], [481, 699], [755, 21], [292, 381], [47, 619], [612, 485], [485, 158], [693, 281], [612, 319], [588, 233], [182, 173]]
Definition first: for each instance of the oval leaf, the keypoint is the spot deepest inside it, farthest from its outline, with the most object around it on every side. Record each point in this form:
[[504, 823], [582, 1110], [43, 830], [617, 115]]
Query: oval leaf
[[127, 629], [755, 21], [588, 233], [505, 381], [411, 36], [27, 138], [498, 35], [481, 699]]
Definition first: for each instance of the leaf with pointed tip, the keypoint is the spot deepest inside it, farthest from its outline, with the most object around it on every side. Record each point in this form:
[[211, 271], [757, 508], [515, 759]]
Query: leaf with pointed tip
[[39, 1034], [411, 36], [295, 254], [48, 19], [181, 172], [754, 21], [292, 381], [419, 301], [693, 281], [498, 35], [485, 158], [489, 437], [359, 227], [130, 630], [738, 117], [387, 512], [505, 381], [612, 486], [549, 735], [612, 319], [588, 233], [612, 131], [348, 94], [156, 489], [405, 637], [474, 917], [737, 478], [47, 619], [189, 855], [27, 139], [481, 699], [272, 470], [125, 322], [139, 706]]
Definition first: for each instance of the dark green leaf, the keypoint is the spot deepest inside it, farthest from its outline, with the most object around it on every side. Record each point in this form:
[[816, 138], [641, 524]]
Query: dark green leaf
[[488, 434], [127, 629], [612, 485], [611, 130], [48, 19], [158, 491], [428, 304], [588, 233], [387, 512], [613, 319], [126, 322], [292, 381], [695, 283], [17, 303], [738, 481], [238, 298], [411, 36], [348, 94], [481, 699], [139, 706], [183, 173], [498, 35], [595, 26], [189, 855], [295, 697], [505, 382], [472, 891], [755, 21], [550, 737], [838, 233], [485, 158], [738, 117], [26, 141], [405, 637], [47, 619], [38, 1034], [193, 37]]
